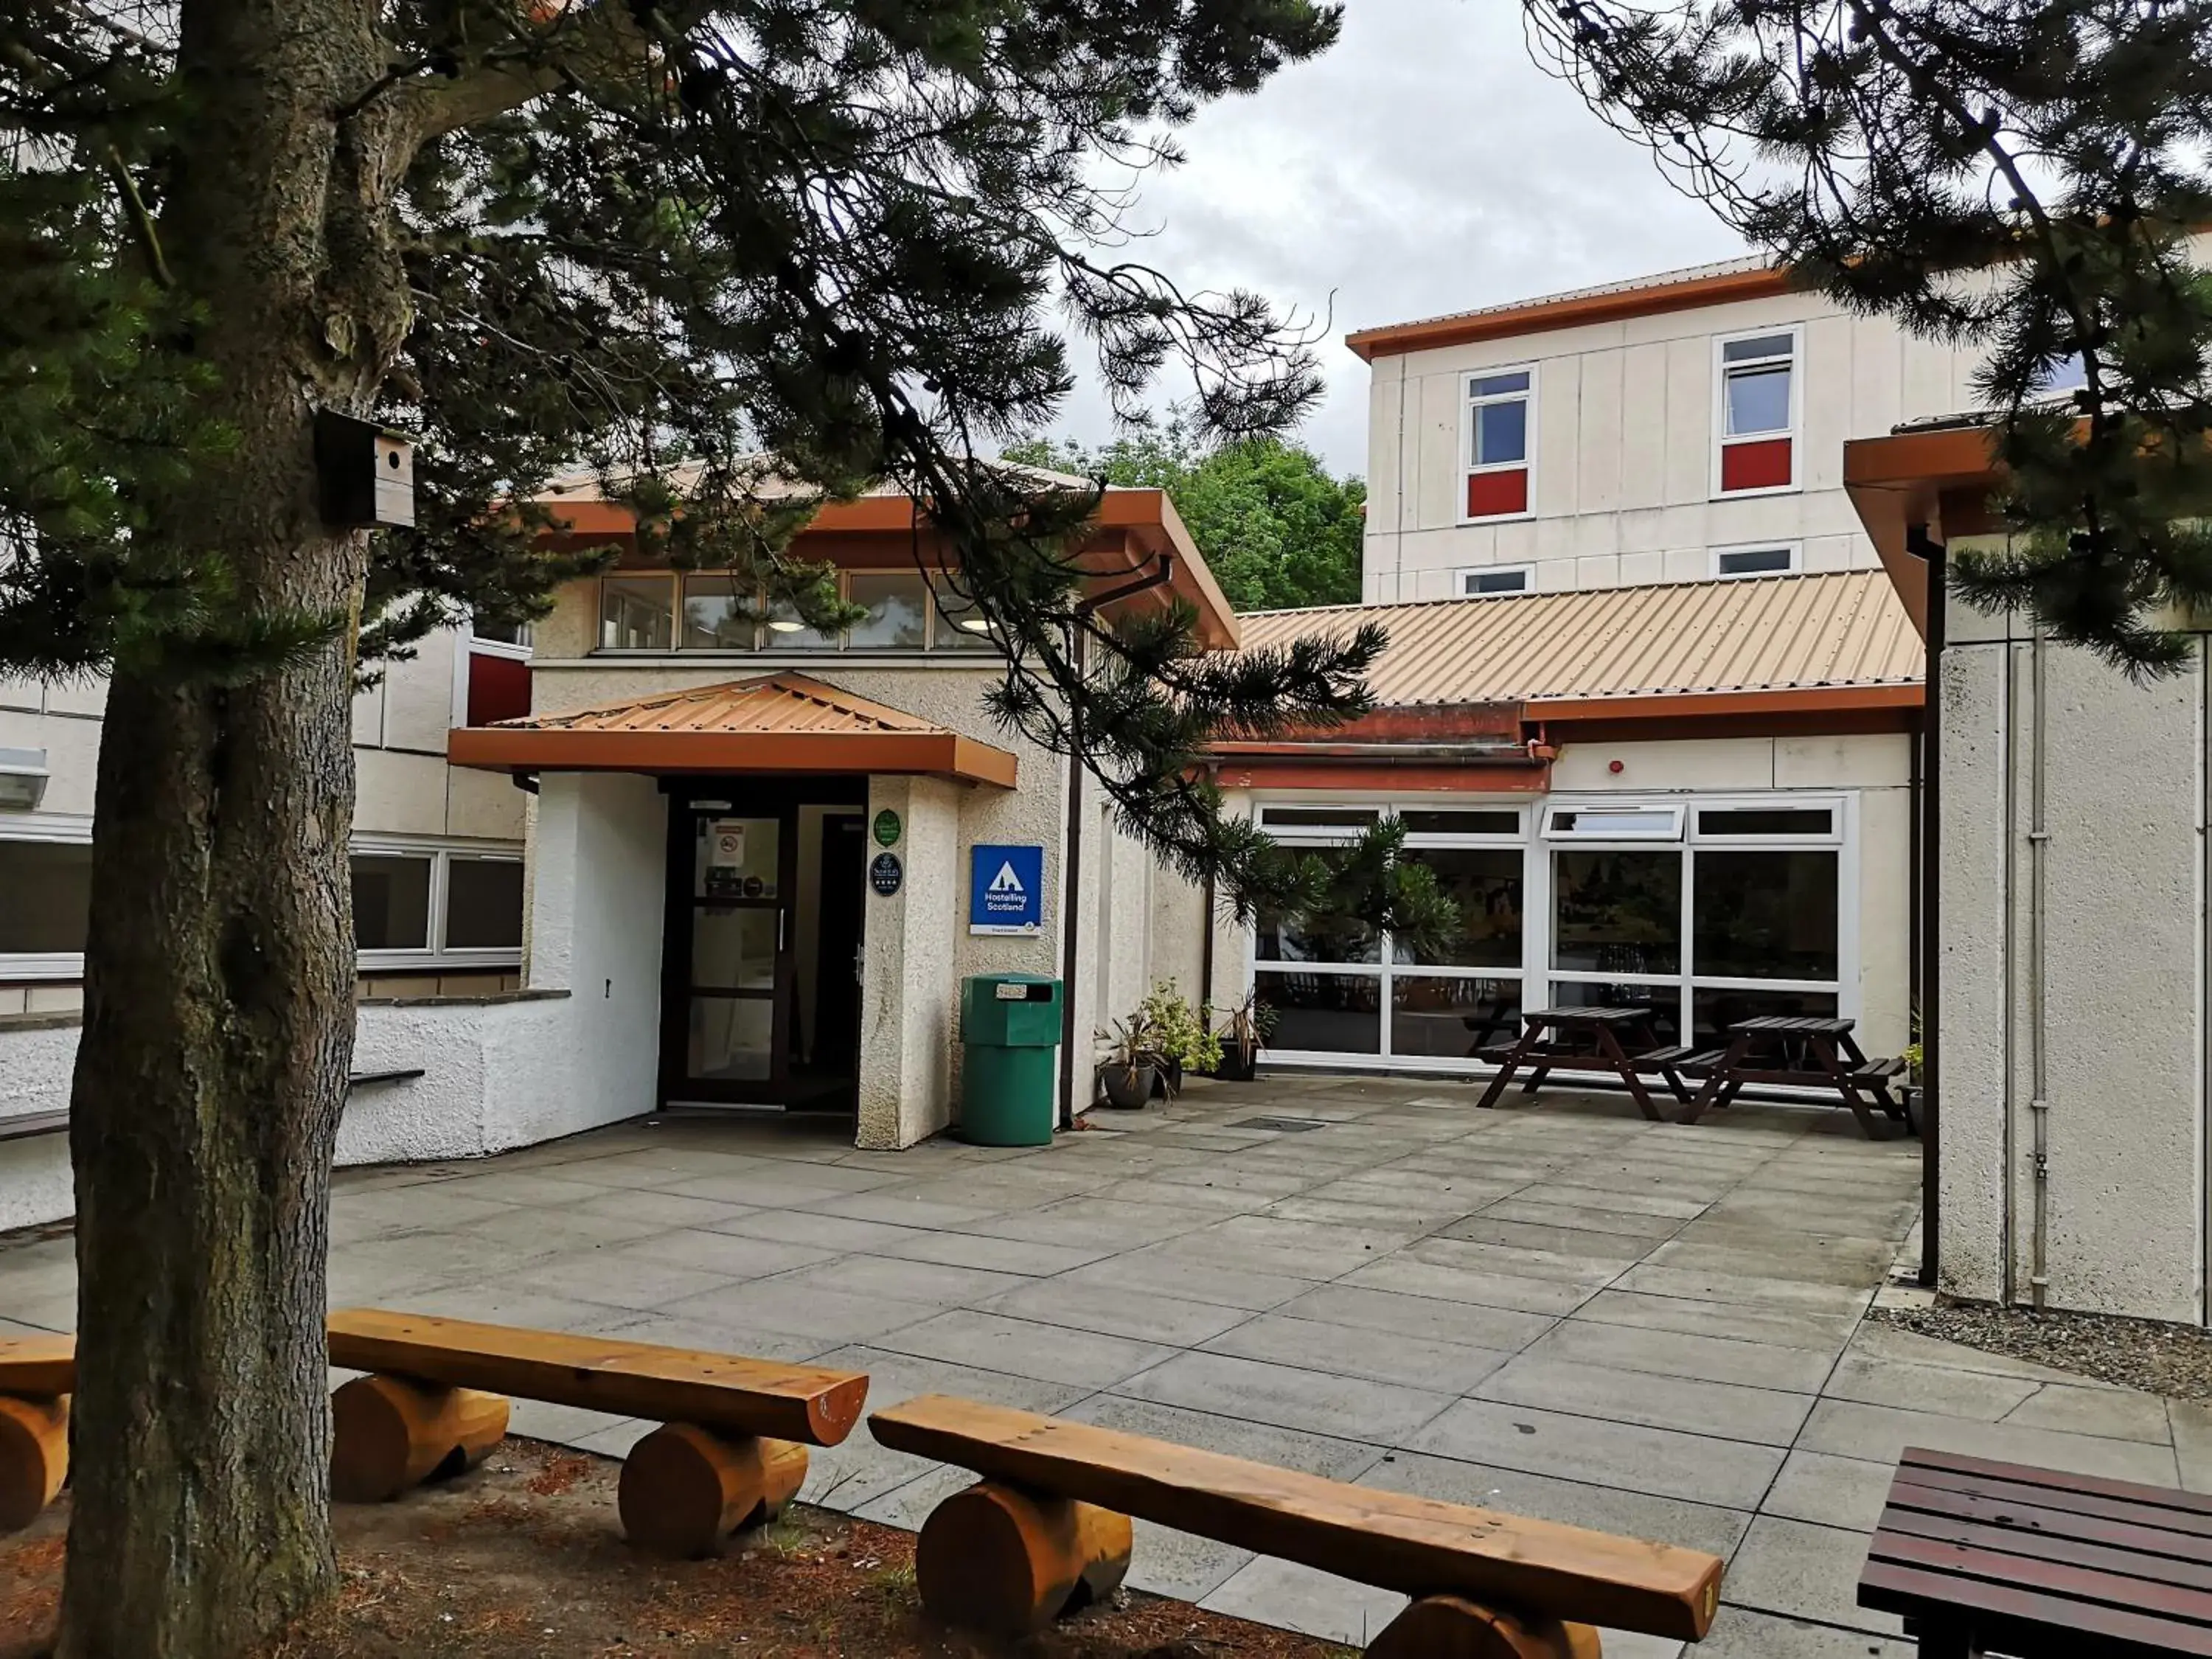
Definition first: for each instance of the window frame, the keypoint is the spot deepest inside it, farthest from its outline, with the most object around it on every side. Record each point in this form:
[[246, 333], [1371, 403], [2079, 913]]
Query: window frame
[[1468, 403], [1794, 549], [1473, 572], [438, 956], [764, 648], [53, 829], [1724, 440]]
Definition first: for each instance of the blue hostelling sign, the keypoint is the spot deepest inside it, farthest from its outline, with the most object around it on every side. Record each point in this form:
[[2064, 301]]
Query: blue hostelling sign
[[1005, 889]]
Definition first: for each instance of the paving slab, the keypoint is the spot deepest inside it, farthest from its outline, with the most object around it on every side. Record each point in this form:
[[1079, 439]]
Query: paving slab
[[732, 1255], [1799, 1570], [1739, 1633], [1410, 1276], [795, 1309], [634, 1282], [1305, 1599], [1570, 1503], [1727, 1411], [1164, 1271], [1022, 1348], [1880, 1434], [1664, 1462], [2117, 1414], [1753, 1290], [1831, 1490], [1451, 1367], [1418, 1318], [1874, 1380], [1575, 1244], [1684, 1354], [1288, 1396], [1823, 1332], [1117, 1311]]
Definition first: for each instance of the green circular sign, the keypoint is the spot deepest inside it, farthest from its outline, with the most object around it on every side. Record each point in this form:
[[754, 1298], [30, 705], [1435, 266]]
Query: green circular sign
[[887, 827]]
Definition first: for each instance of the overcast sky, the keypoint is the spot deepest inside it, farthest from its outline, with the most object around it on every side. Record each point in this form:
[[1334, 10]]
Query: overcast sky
[[1423, 165]]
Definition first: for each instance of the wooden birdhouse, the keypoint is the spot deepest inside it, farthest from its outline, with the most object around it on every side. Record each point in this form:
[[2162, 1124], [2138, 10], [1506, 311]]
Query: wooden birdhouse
[[366, 473]]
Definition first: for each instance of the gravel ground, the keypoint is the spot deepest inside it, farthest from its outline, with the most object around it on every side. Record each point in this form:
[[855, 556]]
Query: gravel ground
[[2136, 1353]]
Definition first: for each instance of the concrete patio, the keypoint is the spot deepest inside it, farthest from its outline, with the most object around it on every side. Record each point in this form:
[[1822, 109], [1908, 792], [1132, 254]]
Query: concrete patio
[[1555, 1309]]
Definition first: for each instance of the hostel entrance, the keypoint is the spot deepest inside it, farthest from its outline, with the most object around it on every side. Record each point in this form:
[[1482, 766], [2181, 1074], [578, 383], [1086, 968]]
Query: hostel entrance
[[761, 997]]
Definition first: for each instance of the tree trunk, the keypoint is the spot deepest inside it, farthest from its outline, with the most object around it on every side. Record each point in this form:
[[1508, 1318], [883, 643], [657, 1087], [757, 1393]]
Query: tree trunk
[[219, 967]]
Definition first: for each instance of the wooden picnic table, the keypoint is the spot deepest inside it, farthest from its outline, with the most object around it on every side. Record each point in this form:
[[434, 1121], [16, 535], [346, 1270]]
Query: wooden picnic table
[[1980, 1557], [1588, 1037], [1804, 1051]]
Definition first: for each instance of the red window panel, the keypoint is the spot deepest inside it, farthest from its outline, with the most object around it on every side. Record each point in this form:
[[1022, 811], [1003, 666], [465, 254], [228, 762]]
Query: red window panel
[[1489, 494], [1764, 464], [499, 688]]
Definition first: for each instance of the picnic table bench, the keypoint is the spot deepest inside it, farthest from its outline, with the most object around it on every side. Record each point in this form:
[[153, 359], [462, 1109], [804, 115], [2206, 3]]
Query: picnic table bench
[[731, 1450], [1587, 1038], [1804, 1051], [1980, 1557], [1048, 1529]]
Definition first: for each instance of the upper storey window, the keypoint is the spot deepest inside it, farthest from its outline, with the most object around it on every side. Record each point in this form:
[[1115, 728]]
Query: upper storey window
[[1497, 424], [1759, 402]]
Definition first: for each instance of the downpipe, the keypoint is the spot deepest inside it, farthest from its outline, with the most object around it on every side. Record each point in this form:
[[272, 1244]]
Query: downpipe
[[2038, 1105]]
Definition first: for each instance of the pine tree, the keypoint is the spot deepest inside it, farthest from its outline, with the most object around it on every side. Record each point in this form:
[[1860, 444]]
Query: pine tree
[[659, 238], [2020, 175]]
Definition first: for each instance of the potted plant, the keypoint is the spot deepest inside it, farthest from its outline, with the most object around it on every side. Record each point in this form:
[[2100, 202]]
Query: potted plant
[[1180, 1040], [1131, 1068], [1244, 1031]]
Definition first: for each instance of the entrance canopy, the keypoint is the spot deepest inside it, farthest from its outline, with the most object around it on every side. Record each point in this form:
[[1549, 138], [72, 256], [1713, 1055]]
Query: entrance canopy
[[773, 723]]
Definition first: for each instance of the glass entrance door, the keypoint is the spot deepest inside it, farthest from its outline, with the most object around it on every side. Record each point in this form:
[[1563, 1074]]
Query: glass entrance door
[[731, 1015]]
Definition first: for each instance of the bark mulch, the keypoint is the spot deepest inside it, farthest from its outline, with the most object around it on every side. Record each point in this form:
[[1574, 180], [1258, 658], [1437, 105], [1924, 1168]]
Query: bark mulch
[[2175, 1360], [523, 1558]]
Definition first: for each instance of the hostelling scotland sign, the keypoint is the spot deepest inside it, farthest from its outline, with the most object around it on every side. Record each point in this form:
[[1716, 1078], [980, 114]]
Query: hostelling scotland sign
[[1005, 889]]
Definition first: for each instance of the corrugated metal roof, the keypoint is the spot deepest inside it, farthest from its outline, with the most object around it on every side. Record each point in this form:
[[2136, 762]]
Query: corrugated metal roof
[[1664, 279], [776, 702], [1745, 634]]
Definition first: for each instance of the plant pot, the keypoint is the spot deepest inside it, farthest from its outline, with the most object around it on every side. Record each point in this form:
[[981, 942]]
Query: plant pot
[[1167, 1079], [1911, 1096], [1237, 1064], [1127, 1087]]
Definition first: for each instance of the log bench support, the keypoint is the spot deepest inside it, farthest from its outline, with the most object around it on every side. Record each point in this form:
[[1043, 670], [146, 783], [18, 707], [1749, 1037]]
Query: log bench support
[[1453, 1628], [684, 1489], [995, 1557], [389, 1434], [33, 1455]]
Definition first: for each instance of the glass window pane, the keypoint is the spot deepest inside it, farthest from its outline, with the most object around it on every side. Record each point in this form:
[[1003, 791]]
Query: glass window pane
[[1325, 1013], [1766, 915], [636, 613], [1767, 821], [785, 632], [1301, 938], [1662, 1002], [390, 902], [1451, 1018], [1758, 400], [45, 894], [1756, 562], [1663, 823], [898, 611], [1513, 580], [1493, 385], [957, 625], [1501, 432], [1423, 821], [733, 948], [718, 615], [1618, 912], [731, 1039], [1318, 817], [735, 858], [1484, 883], [483, 904], [1766, 345], [1713, 1011]]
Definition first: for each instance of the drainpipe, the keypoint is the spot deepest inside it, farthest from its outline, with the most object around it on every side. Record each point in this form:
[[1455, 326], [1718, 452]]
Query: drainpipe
[[2038, 1047], [1918, 542], [1071, 880], [1205, 932]]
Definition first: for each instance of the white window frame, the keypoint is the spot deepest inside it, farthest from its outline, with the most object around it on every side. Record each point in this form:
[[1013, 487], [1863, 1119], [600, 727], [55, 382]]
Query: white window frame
[[1724, 440], [767, 653], [1665, 829], [1537, 977], [53, 829], [1794, 568], [441, 852], [1467, 469], [1469, 576]]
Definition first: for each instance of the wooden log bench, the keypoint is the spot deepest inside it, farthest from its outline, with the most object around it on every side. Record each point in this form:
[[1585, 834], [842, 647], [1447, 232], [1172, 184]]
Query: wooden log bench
[[37, 1375], [1981, 1557], [1046, 1531], [731, 1450]]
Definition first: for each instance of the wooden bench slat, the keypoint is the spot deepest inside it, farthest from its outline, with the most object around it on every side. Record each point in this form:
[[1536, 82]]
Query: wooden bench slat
[[2030, 1544], [804, 1403], [2076, 1503], [2124, 1531], [2053, 1480], [36, 1367], [2077, 1586], [2026, 1622], [1393, 1541]]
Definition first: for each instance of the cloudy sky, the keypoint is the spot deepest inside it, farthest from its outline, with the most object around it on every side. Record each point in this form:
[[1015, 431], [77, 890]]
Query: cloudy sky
[[1424, 165]]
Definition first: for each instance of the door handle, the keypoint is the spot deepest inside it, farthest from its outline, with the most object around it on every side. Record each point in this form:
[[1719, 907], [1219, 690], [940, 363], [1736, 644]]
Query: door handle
[[779, 930]]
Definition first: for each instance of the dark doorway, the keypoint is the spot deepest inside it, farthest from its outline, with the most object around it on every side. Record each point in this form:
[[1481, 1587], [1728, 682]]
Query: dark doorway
[[740, 920]]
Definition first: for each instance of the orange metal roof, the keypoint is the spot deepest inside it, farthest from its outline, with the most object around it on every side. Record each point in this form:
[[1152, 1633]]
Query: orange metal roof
[[1624, 648], [1751, 278], [774, 723]]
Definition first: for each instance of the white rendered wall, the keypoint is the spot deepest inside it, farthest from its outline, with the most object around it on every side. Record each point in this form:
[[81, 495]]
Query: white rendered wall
[[909, 987], [2122, 992]]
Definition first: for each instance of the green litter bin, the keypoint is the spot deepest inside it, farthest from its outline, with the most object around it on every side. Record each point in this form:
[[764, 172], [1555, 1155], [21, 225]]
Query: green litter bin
[[1009, 1026]]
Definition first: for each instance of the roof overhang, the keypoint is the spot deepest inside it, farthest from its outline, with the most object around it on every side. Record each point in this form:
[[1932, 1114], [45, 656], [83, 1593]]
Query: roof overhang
[[783, 723], [1941, 478], [1611, 305]]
